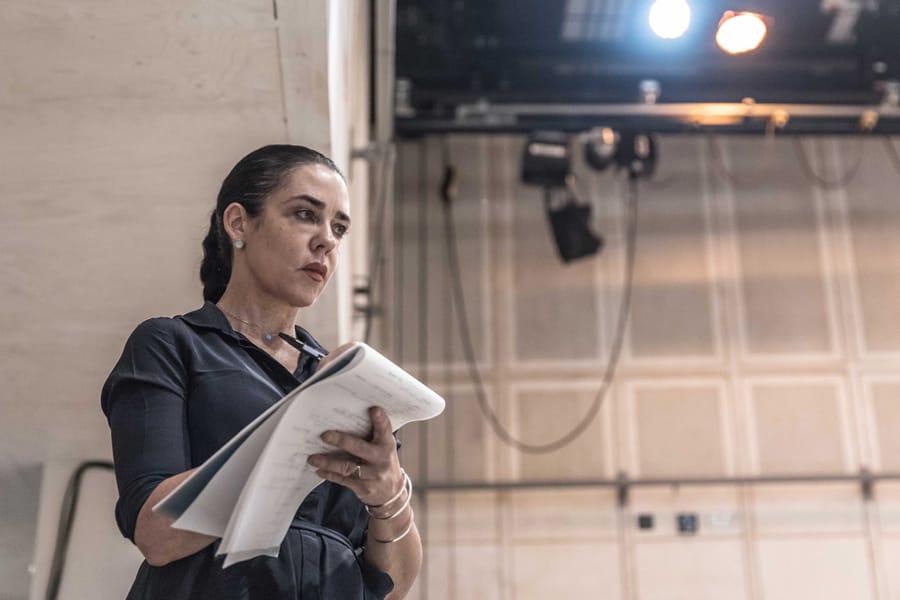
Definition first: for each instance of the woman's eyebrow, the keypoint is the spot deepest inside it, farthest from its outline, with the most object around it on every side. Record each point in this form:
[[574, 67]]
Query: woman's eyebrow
[[320, 205]]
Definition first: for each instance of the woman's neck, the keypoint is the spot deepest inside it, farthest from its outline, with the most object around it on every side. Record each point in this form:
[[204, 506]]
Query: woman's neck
[[260, 316]]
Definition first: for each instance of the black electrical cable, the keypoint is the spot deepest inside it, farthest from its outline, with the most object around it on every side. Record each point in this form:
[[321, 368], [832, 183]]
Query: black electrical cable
[[399, 244], [718, 160], [66, 520], [828, 184], [892, 153], [422, 340], [448, 192], [386, 166], [422, 227]]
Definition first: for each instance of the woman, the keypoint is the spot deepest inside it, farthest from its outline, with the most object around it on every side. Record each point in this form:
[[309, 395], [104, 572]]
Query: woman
[[186, 385]]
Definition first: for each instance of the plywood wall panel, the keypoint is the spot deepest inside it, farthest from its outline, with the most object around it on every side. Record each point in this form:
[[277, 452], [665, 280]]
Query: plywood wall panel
[[892, 557], [458, 444], [785, 305], [590, 514], [680, 430], [418, 198], [105, 144], [473, 243], [751, 293], [468, 517], [874, 218], [887, 519], [465, 571], [411, 276], [672, 313], [50, 13], [545, 414], [571, 570], [691, 569], [886, 405], [811, 509], [821, 568], [89, 64], [887, 496], [545, 289], [800, 427]]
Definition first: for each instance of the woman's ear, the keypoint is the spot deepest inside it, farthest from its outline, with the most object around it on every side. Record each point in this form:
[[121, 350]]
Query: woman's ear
[[235, 219]]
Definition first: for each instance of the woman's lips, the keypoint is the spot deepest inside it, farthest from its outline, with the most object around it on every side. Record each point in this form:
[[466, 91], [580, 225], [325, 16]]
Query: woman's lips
[[316, 271]]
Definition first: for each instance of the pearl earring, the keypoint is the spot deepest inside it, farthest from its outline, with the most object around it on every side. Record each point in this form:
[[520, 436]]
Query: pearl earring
[[238, 244]]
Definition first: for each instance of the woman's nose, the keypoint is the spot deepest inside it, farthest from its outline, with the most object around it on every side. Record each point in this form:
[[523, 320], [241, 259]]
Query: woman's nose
[[325, 239]]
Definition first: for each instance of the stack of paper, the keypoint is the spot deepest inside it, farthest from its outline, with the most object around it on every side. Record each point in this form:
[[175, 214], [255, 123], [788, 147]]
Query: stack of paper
[[248, 492]]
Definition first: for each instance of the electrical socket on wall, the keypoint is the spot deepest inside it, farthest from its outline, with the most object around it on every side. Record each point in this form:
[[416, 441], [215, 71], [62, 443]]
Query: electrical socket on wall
[[645, 521], [688, 523]]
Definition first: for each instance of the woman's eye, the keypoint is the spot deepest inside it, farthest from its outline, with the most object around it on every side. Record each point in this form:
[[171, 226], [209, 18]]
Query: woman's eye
[[340, 230], [304, 214]]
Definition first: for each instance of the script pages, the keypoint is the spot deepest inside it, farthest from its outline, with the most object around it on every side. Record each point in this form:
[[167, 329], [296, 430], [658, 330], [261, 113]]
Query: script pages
[[248, 491]]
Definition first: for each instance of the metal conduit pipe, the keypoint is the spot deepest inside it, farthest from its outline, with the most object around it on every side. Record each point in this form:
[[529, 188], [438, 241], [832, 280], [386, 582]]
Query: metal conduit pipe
[[865, 478]]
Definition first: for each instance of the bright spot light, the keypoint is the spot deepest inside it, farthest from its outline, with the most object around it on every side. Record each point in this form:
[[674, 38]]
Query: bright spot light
[[669, 19], [740, 32]]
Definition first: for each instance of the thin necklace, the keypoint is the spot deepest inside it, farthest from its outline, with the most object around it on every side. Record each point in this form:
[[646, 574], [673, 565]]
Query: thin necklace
[[292, 341], [265, 334]]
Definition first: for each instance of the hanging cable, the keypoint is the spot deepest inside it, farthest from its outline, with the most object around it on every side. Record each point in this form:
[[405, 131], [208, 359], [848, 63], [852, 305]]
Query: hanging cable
[[448, 193], [422, 337], [661, 183], [399, 242], [892, 153], [818, 180], [386, 167], [422, 233], [731, 176]]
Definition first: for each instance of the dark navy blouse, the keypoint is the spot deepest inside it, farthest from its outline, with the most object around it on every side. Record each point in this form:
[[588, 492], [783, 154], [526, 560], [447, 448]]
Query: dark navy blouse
[[181, 389]]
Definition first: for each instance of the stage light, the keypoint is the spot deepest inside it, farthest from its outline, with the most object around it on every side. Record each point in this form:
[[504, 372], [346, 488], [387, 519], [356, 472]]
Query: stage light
[[637, 154], [600, 147], [670, 19], [545, 160], [741, 32], [570, 222]]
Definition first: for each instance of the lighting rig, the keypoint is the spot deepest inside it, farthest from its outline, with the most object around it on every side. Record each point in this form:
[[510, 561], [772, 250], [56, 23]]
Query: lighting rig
[[669, 66], [546, 162]]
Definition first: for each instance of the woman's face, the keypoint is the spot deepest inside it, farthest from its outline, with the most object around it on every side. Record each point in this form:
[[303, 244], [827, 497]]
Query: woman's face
[[292, 247]]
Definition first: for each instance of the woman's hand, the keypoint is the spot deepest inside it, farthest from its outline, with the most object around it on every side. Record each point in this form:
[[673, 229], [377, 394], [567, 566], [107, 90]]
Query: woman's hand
[[371, 469], [368, 467]]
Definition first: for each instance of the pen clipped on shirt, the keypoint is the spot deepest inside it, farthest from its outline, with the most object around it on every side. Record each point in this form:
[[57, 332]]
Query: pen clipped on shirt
[[303, 347]]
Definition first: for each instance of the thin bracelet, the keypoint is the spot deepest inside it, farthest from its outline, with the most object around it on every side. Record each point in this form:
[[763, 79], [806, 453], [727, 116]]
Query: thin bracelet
[[394, 498], [412, 521], [408, 488]]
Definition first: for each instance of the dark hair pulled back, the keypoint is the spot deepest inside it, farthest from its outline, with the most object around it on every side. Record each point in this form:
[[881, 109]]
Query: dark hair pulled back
[[249, 183]]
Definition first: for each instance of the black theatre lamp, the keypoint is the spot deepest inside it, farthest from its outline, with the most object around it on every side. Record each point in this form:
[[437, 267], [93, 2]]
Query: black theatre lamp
[[570, 223], [637, 153], [545, 161]]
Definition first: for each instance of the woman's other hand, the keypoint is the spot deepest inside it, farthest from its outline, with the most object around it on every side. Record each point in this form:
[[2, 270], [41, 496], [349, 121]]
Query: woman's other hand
[[370, 468]]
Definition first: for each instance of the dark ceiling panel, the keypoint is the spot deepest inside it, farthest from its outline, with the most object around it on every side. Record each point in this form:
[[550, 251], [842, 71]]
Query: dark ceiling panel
[[451, 53]]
